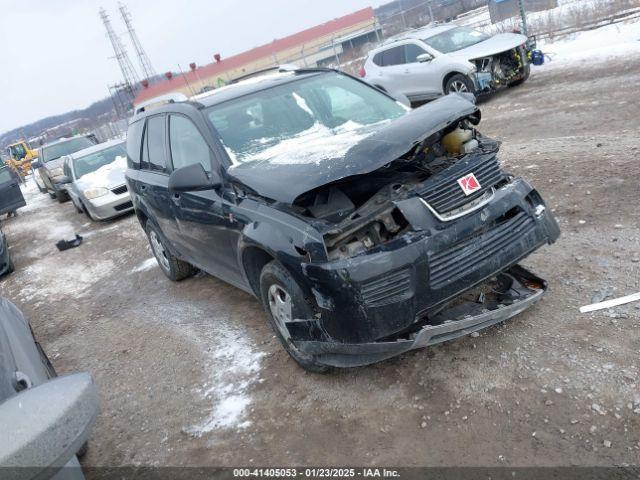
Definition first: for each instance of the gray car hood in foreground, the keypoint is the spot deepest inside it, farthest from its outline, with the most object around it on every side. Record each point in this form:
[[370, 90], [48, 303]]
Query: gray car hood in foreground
[[496, 44], [284, 181]]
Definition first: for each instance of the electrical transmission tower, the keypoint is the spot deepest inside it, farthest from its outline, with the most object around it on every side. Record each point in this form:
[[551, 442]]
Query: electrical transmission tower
[[145, 63], [129, 74]]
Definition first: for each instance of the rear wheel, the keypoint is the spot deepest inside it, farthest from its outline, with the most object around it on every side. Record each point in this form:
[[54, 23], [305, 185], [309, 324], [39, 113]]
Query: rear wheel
[[284, 301], [174, 268], [61, 196], [458, 83]]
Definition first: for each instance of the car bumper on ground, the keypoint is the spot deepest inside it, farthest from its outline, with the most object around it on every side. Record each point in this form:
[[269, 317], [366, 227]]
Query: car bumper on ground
[[378, 301], [110, 205]]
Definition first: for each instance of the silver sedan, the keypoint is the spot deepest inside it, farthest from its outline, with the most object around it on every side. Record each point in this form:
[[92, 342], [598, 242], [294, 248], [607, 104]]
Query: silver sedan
[[95, 180]]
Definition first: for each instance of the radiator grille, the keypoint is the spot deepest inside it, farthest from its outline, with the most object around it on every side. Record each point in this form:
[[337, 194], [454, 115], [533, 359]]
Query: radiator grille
[[388, 288], [444, 194], [119, 190], [452, 263]]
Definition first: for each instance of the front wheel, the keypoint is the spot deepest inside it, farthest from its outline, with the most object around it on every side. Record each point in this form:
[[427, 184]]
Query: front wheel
[[283, 302], [526, 71], [458, 83], [174, 268]]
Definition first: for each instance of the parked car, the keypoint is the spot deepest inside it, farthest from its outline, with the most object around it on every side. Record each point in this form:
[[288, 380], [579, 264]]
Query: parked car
[[366, 229], [49, 163], [429, 62], [45, 420], [11, 198], [6, 263], [94, 178]]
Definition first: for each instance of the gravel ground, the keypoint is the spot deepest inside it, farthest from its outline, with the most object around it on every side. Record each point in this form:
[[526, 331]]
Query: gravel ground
[[190, 373]]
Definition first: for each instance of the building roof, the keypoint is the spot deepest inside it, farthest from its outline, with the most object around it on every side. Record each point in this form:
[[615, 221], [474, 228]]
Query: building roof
[[257, 53]]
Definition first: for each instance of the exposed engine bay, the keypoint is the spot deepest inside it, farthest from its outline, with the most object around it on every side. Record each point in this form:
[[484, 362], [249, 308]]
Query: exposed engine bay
[[501, 70], [358, 213]]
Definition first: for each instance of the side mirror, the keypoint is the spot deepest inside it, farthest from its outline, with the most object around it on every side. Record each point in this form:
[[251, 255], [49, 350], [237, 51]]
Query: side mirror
[[36, 164], [424, 57], [192, 178], [402, 98], [49, 422]]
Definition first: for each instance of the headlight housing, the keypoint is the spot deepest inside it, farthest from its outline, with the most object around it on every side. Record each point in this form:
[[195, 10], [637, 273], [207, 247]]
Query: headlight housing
[[57, 172], [95, 192]]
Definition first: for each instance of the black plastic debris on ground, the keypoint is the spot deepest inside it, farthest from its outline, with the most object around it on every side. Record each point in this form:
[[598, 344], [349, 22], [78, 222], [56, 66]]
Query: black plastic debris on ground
[[67, 244]]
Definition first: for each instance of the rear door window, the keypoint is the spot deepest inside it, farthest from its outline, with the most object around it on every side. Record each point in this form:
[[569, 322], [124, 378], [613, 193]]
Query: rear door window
[[393, 56], [155, 148], [134, 139]]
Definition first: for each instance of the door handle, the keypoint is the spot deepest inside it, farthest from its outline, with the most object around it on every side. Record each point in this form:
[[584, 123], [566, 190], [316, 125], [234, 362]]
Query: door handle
[[143, 187]]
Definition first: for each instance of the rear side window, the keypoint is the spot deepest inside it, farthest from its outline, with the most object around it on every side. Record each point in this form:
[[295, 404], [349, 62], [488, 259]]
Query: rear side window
[[155, 144], [134, 143], [187, 145], [390, 57]]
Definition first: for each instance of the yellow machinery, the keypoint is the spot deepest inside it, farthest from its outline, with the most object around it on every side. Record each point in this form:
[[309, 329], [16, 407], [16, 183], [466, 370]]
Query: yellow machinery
[[21, 156]]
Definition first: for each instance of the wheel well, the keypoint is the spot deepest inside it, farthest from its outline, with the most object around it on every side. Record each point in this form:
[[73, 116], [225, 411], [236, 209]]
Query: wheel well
[[446, 79], [253, 260]]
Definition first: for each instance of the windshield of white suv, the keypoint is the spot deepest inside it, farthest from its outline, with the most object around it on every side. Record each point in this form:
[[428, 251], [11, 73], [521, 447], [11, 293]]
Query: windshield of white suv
[[456, 39], [66, 147], [308, 120]]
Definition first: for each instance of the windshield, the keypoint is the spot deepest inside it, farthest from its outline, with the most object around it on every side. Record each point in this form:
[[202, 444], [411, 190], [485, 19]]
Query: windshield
[[18, 151], [456, 39], [307, 120], [67, 147], [92, 162]]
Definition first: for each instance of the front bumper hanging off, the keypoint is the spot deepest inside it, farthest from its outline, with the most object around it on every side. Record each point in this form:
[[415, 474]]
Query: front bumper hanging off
[[517, 289]]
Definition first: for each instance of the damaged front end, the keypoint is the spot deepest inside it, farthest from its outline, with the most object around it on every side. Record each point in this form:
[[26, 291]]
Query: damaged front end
[[501, 70], [420, 251]]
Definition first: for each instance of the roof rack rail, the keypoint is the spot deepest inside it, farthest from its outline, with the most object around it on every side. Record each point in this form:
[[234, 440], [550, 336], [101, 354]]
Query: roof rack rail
[[285, 67], [162, 99]]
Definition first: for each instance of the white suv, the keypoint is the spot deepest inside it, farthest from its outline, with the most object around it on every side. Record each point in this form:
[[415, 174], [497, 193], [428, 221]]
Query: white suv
[[428, 62]]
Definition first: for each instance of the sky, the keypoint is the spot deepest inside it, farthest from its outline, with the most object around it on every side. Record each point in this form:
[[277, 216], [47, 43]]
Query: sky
[[56, 57]]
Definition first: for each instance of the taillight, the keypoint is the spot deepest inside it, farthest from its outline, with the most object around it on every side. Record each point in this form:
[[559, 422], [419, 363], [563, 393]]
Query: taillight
[[362, 72]]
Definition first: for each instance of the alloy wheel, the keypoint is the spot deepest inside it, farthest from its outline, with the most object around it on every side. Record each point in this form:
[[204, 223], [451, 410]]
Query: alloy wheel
[[159, 251], [458, 86], [280, 306]]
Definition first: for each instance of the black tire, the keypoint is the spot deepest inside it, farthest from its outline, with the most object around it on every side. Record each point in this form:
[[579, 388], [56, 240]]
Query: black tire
[[11, 267], [459, 83], [83, 450], [174, 268], [274, 275], [525, 76], [61, 196], [52, 195]]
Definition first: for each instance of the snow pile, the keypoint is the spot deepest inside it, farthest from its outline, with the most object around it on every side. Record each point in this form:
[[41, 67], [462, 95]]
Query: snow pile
[[106, 175], [594, 45], [314, 145]]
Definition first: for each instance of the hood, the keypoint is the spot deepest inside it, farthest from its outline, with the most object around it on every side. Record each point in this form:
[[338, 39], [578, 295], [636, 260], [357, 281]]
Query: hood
[[107, 176], [284, 180], [496, 44]]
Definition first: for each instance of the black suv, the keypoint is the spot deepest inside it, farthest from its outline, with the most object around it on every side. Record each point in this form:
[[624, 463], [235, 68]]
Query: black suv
[[366, 229]]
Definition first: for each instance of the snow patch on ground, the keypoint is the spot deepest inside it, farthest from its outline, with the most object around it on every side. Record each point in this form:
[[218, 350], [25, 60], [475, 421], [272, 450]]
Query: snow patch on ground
[[234, 366], [593, 45], [148, 264], [50, 278]]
